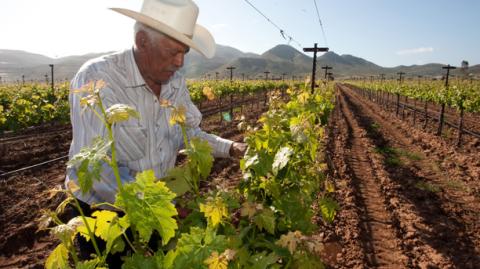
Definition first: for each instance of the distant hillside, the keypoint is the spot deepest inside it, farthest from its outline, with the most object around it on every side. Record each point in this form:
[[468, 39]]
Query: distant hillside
[[18, 58], [277, 60], [15, 63]]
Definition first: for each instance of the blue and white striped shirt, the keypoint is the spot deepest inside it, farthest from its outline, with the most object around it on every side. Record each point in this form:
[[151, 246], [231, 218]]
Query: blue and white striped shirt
[[147, 143]]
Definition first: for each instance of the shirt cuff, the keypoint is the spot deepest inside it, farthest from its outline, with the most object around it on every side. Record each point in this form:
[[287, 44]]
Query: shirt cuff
[[223, 147]]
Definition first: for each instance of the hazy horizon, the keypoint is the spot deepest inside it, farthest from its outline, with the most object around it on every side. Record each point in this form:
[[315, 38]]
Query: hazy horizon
[[379, 31]]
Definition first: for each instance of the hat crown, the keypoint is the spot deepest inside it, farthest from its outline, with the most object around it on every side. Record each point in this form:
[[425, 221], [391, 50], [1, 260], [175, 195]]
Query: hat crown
[[178, 14]]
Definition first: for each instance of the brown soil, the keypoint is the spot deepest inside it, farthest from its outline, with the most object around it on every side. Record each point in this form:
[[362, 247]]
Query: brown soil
[[24, 194], [402, 206]]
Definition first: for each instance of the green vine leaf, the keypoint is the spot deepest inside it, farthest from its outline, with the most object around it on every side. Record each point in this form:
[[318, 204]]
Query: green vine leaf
[[200, 156], [194, 248], [281, 159], [144, 262], [120, 112], [328, 208], [58, 259], [265, 220], [179, 180], [215, 211], [148, 206], [263, 260], [88, 163], [109, 227], [90, 264]]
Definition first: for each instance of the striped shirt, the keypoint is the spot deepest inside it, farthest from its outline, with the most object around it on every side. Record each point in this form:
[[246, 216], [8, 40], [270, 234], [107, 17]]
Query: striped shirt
[[147, 143]]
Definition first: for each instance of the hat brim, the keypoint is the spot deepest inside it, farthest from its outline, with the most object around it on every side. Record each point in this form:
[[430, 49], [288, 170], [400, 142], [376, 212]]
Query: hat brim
[[201, 41]]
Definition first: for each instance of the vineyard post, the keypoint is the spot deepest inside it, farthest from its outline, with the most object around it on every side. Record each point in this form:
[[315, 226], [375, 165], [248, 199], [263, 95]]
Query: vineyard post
[[398, 93], [326, 67], [326, 72], [231, 85], [23, 80], [415, 102], [382, 79], [216, 76], [51, 69], [243, 76], [283, 88], [219, 105], [442, 111], [315, 49], [0, 80], [265, 89], [371, 90], [374, 94], [266, 75], [231, 72], [425, 107], [460, 126]]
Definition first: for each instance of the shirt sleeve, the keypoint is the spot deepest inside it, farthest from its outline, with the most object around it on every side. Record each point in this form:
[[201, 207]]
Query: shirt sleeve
[[85, 127], [104, 189], [220, 146]]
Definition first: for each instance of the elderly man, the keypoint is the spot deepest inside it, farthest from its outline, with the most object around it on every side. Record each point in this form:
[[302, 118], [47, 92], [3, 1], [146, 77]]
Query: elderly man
[[142, 77]]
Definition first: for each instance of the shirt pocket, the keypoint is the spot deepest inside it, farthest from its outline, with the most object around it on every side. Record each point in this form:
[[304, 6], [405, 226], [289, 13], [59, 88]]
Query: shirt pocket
[[130, 142]]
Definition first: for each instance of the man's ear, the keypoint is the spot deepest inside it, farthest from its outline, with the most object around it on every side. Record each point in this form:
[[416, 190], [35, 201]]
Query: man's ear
[[141, 40]]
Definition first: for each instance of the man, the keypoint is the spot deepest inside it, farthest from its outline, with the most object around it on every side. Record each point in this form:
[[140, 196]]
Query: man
[[142, 77]]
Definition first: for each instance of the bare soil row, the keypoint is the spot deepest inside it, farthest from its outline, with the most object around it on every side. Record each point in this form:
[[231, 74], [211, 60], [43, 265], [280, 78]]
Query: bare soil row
[[408, 200]]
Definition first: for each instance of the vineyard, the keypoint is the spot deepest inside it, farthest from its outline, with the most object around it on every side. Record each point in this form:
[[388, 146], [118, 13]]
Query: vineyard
[[351, 175]]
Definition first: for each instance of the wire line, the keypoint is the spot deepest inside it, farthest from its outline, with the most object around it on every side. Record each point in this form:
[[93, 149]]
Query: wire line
[[282, 32], [321, 24]]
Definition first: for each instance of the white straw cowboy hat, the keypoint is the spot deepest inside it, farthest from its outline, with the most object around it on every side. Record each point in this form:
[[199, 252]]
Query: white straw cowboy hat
[[177, 19]]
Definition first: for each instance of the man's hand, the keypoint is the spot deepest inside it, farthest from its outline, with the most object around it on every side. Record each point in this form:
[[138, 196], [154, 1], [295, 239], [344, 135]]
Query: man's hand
[[238, 149]]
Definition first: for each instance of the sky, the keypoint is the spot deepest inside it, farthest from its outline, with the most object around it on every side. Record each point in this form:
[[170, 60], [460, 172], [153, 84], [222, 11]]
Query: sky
[[386, 32]]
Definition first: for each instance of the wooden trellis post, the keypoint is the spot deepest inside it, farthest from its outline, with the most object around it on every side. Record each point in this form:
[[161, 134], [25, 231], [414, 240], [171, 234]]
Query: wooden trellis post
[[398, 94], [442, 111], [231, 68], [315, 49], [53, 85]]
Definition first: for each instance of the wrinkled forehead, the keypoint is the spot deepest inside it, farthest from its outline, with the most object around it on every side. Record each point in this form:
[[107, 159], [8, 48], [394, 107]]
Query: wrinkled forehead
[[173, 44]]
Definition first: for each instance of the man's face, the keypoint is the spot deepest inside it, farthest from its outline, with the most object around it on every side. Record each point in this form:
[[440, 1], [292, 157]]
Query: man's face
[[164, 57]]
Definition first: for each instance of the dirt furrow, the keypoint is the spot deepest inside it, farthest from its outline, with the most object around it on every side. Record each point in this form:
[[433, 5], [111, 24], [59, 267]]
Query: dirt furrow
[[436, 230], [381, 247]]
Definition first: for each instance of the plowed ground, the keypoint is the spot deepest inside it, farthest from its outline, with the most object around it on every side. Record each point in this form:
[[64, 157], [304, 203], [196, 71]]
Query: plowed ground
[[408, 200]]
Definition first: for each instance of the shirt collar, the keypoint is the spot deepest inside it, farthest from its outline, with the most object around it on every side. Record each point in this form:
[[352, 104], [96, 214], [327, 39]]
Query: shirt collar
[[135, 79]]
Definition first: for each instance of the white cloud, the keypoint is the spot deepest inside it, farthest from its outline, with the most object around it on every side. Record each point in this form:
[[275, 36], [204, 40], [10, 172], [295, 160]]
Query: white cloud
[[415, 51]]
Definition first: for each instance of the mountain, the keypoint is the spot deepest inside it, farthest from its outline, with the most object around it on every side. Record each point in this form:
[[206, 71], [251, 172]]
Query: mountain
[[18, 58], [15, 63], [277, 60]]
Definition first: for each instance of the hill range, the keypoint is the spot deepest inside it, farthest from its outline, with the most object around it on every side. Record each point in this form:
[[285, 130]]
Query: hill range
[[281, 59]]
